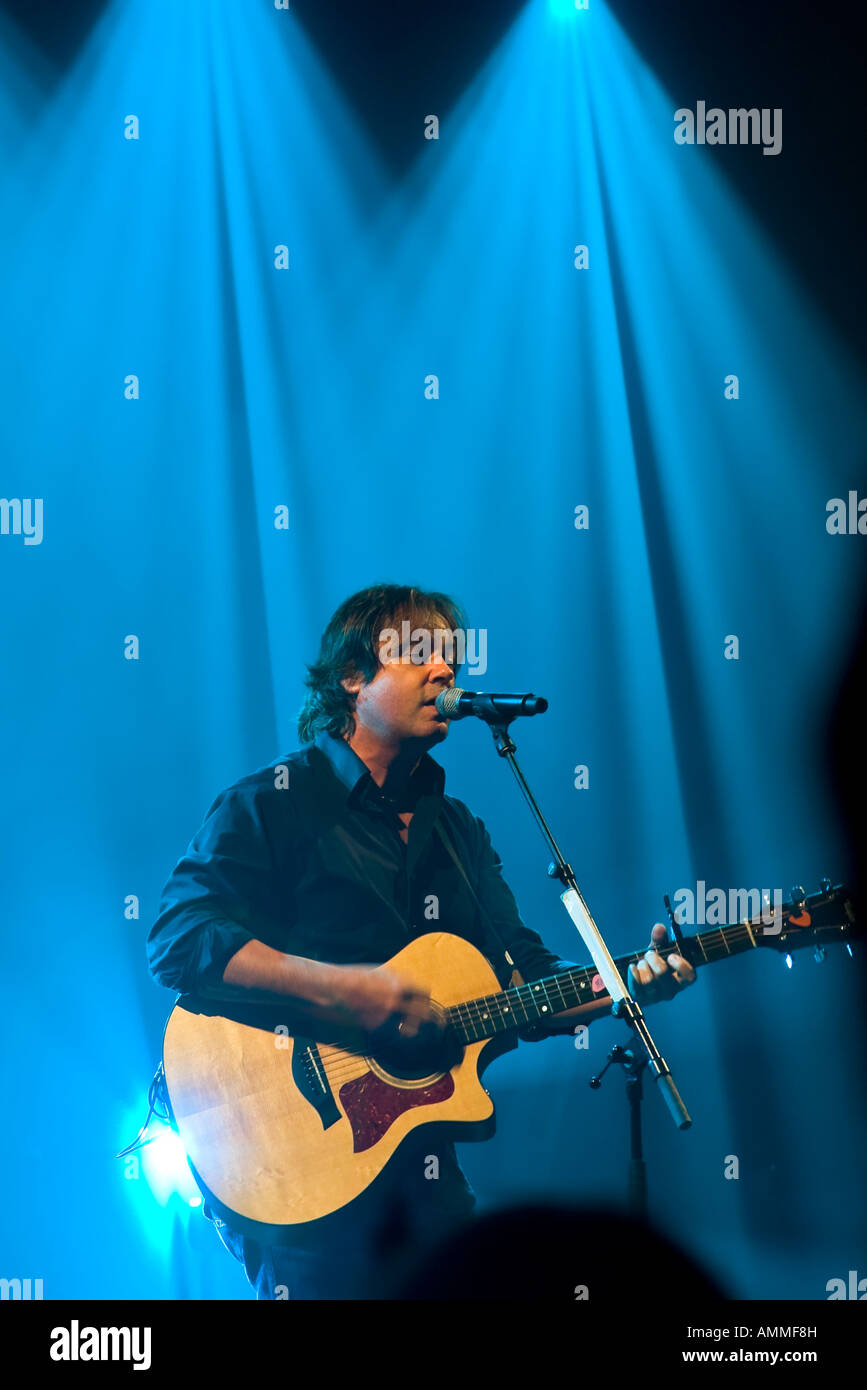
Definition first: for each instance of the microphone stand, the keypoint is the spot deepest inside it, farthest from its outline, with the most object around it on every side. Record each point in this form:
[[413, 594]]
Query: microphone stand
[[623, 1005], [633, 1067]]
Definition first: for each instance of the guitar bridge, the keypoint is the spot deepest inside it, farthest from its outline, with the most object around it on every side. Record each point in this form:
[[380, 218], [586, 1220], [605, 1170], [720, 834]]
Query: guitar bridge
[[308, 1073]]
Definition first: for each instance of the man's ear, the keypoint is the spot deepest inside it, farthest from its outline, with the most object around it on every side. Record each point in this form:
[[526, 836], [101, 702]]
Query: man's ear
[[352, 684]]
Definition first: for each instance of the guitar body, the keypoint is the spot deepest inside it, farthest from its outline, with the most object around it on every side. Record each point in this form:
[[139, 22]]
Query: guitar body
[[282, 1130]]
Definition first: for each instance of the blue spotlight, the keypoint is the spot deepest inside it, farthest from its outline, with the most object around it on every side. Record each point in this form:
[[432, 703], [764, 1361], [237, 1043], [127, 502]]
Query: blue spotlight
[[165, 1167], [564, 9]]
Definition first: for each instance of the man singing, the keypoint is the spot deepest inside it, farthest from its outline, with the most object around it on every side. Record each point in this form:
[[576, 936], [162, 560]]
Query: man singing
[[304, 889]]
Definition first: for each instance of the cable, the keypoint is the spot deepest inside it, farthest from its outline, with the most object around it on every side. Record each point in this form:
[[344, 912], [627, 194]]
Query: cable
[[158, 1105]]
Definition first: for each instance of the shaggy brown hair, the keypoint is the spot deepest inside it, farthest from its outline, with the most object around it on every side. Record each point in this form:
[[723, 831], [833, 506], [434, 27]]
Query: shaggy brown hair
[[350, 648]]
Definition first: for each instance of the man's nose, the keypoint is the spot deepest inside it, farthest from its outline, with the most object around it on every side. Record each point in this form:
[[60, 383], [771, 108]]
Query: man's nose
[[440, 670]]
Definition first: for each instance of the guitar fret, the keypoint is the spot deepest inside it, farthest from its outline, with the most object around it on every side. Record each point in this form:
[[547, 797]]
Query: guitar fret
[[482, 1018], [478, 1019]]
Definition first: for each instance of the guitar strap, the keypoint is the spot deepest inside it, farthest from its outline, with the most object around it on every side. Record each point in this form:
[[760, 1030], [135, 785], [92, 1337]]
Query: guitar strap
[[483, 913]]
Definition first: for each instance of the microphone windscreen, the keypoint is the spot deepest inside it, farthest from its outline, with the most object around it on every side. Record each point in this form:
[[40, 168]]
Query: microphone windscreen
[[447, 703]]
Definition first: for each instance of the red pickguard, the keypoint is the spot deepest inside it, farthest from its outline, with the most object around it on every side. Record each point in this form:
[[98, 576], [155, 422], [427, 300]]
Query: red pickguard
[[372, 1105]]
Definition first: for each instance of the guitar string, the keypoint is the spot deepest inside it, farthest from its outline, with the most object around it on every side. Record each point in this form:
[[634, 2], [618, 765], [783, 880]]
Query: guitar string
[[480, 1011], [467, 1014], [462, 1014], [477, 1013]]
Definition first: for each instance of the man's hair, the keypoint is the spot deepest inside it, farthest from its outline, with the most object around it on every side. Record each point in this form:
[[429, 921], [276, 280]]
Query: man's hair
[[350, 647]]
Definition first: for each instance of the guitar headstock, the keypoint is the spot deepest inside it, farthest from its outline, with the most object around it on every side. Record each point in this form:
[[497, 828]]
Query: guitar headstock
[[826, 918], [821, 919]]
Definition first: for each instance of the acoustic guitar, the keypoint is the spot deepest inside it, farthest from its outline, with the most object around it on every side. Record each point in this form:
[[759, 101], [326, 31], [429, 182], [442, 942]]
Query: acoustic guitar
[[282, 1129]]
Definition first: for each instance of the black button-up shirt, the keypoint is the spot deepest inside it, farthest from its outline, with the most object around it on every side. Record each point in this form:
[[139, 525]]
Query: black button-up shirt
[[306, 855]]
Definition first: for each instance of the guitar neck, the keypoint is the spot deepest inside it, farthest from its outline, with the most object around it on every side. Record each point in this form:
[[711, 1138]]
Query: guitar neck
[[539, 1000]]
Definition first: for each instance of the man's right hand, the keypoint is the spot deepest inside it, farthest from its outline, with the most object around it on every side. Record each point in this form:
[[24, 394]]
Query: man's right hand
[[372, 996], [366, 997]]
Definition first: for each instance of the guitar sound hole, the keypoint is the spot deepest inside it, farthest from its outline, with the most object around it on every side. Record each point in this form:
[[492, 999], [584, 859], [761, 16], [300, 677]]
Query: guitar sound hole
[[430, 1053]]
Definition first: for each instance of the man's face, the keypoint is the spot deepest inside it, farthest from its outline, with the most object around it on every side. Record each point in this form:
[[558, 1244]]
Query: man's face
[[398, 704]]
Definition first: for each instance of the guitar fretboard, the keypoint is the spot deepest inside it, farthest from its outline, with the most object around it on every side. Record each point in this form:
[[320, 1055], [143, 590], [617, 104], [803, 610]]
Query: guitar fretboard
[[540, 1000]]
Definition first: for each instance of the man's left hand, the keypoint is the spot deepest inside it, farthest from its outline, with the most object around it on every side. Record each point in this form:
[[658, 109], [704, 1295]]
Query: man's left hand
[[656, 977]]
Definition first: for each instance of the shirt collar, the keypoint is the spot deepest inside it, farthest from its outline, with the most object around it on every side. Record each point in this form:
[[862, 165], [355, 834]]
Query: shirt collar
[[354, 774]]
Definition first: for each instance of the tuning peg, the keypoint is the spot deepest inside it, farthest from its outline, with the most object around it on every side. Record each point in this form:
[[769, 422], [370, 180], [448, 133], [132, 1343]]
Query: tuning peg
[[819, 954], [826, 885], [799, 897]]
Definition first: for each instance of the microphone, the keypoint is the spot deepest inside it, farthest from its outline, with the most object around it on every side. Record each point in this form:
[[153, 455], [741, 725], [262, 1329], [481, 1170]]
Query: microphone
[[494, 709]]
